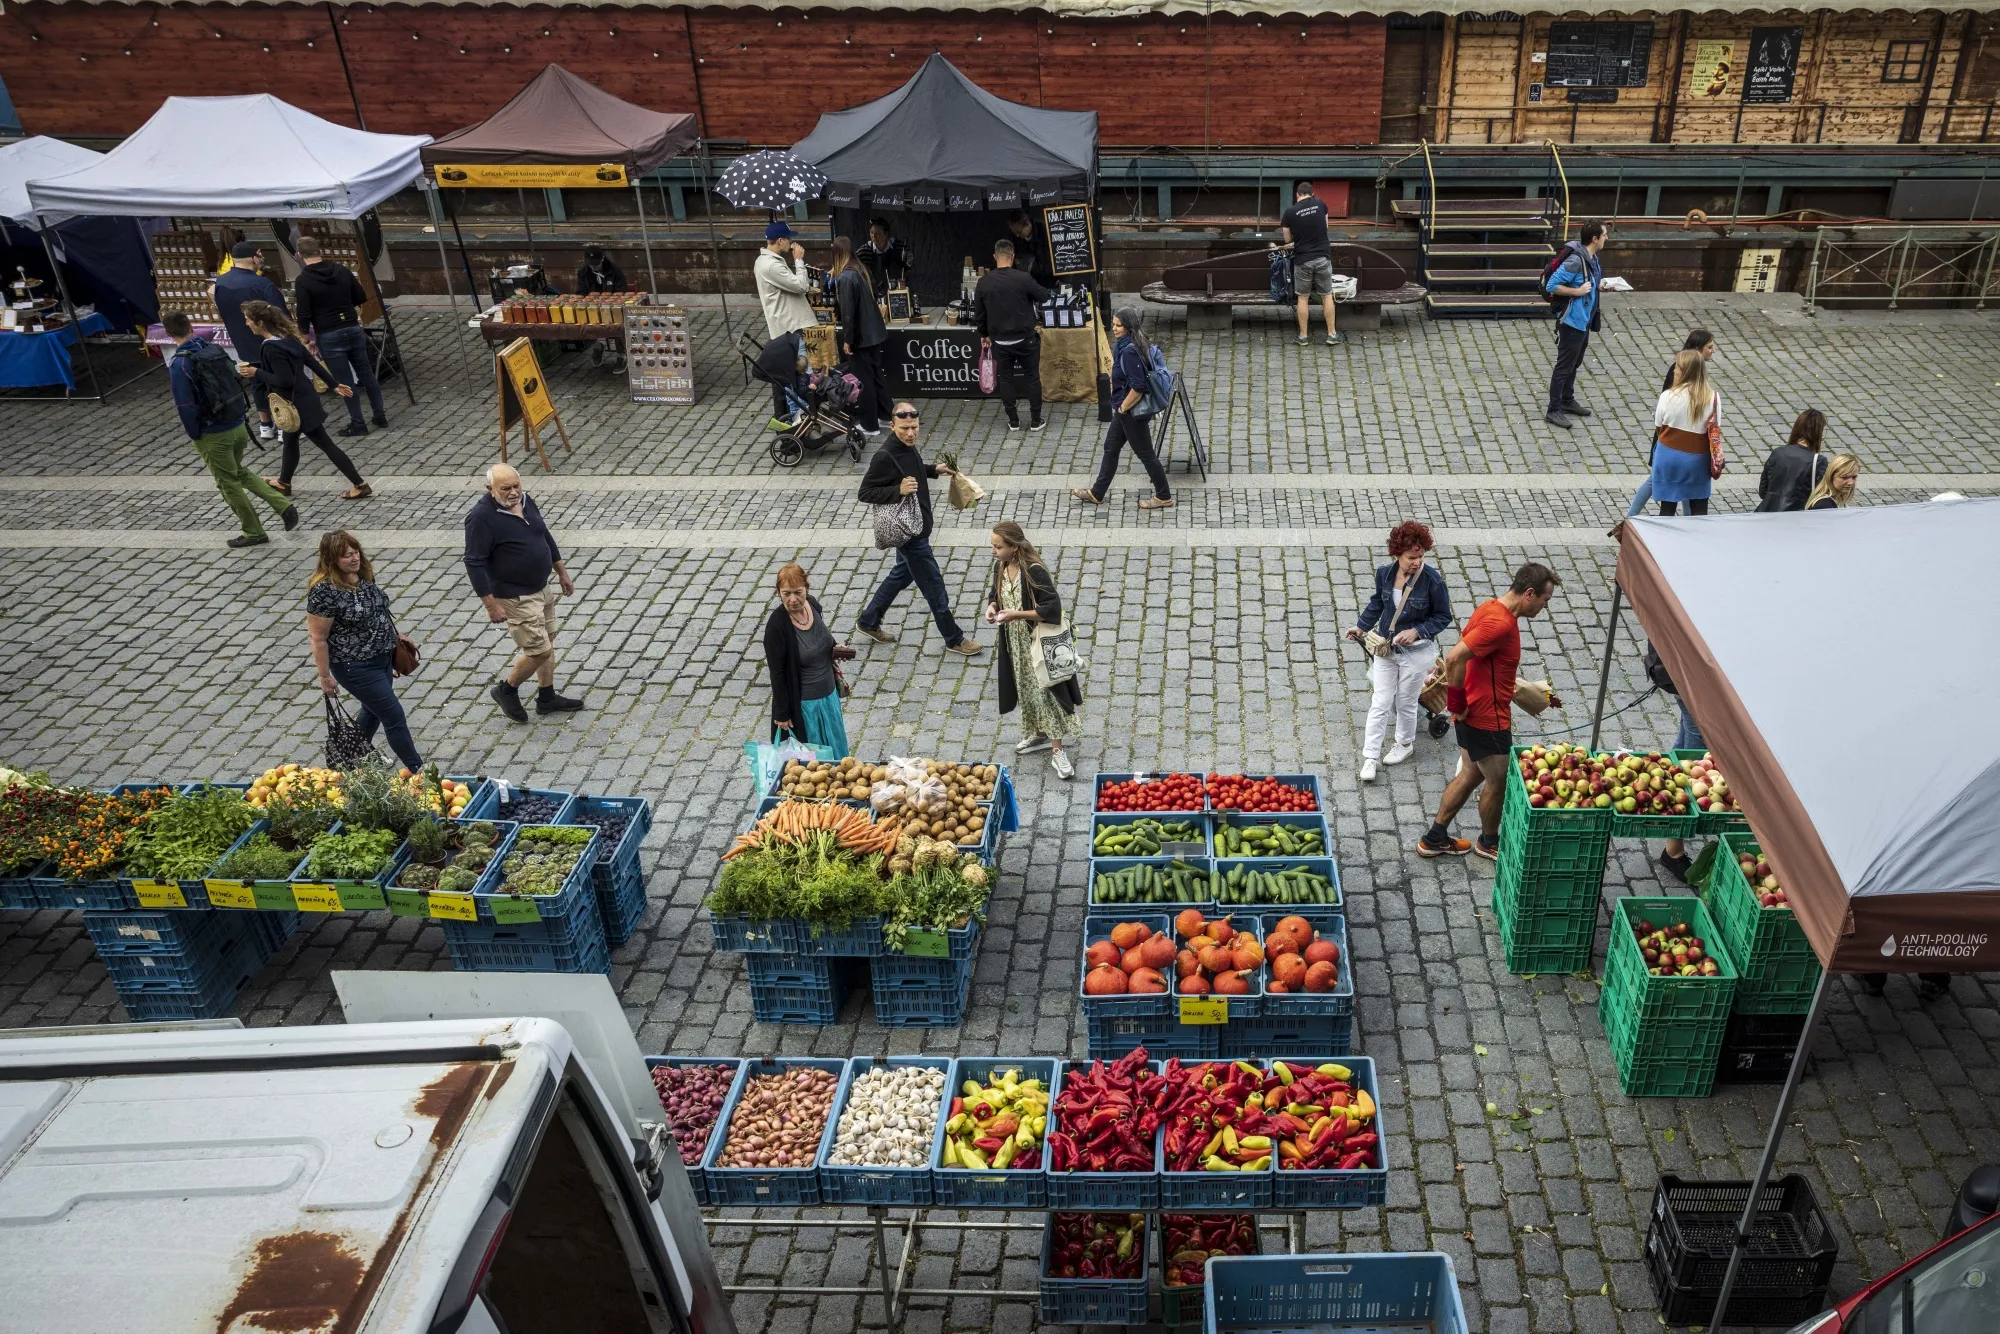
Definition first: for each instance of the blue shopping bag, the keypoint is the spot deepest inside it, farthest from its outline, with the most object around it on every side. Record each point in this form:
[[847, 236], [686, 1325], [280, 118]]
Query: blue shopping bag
[[768, 758]]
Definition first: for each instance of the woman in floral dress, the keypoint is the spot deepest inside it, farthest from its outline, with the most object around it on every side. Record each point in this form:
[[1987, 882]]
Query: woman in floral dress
[[1023, 596]]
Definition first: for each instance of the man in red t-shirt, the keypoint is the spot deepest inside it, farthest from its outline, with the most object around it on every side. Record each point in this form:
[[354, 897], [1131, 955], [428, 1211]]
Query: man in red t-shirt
[[1479, 679]]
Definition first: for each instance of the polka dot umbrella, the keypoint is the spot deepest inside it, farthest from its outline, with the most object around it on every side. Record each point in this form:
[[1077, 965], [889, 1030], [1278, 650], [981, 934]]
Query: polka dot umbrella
[[770, 180]]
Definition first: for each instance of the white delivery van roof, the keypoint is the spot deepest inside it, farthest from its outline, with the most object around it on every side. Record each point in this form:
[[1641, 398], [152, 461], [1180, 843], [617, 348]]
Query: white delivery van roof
[[300, 1179]]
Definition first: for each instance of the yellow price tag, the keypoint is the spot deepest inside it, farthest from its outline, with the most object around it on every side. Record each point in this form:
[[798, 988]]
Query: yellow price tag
[[230, 893], [316, 898], [159, 894], [456, 907], [1204, 1010]]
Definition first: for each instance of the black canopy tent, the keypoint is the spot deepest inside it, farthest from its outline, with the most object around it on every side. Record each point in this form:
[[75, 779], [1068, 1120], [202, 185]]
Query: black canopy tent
[[953, 161]]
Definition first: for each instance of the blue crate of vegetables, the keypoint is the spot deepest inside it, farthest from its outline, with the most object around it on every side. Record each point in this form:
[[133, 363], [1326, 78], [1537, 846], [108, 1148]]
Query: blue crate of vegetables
[[775, 1130], [853, 1170]]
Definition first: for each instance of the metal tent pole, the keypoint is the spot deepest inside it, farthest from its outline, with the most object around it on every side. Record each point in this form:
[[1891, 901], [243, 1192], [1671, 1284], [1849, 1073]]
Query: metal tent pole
[[528, 227], [465, 260], [69, 309], [715, 251], [444, 268], [1744, 1223], [390, 343], [645, 238], [1604, 673]]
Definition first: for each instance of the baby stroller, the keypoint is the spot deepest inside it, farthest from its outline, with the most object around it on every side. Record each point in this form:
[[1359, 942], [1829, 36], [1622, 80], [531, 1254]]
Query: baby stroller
[[822, 404]]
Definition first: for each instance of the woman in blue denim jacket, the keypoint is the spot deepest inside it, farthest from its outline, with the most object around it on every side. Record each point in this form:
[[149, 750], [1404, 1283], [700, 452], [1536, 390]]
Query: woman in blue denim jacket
[[1410, 609]]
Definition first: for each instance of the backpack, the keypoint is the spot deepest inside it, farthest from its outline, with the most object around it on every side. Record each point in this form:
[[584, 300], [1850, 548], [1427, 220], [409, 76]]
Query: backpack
[[1281, 278], [218, 391], [1656, 672], [1159, 380], [1560, 303]]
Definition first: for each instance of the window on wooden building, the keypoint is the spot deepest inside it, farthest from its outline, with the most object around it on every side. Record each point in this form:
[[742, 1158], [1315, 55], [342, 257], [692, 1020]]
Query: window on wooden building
[[1905, 62]]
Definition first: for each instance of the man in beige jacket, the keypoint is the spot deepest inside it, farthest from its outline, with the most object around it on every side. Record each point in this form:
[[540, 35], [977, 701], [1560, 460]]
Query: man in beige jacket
[[782, 286]]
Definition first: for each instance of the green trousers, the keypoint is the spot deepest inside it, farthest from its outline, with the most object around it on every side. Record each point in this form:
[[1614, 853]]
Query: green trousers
[[222, 451]]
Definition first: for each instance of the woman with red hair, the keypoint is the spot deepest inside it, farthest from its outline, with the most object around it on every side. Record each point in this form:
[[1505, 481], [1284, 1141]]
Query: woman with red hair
[[1400, 626]]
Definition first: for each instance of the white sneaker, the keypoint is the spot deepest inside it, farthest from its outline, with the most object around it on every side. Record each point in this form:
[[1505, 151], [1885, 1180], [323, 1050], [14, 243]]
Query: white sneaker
[[1399, 752], [1368, 771], [266, 431], [1060, 763], [1028, 745]]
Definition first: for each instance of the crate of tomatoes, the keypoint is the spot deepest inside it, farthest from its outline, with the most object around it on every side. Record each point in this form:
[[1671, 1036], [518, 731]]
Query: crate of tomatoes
[[1149, 792], [1274, 794]]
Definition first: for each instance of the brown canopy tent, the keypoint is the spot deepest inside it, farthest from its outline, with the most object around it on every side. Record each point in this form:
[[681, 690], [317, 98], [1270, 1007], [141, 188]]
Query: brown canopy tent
[[556, 122], [1879, 807]]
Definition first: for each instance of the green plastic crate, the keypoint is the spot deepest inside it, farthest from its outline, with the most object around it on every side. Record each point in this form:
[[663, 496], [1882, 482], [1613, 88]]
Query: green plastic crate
[[1629, 988], [1543, 942], [1668, 1059], [1721, 822], [1551, 891], [1541, 842], [1657, 826], [1777, 966]]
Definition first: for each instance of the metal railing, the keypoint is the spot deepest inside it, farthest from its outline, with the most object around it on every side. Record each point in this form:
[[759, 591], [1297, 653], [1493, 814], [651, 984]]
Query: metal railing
[[1891, 266], [1557, 176], [1964, 121]]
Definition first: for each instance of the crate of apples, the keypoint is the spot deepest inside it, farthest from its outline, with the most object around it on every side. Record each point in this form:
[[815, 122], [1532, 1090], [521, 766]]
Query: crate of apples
[[1565, 778], [1648, 784], [1218, 959], [1763, 881], [1707, 786], [1674, 950]]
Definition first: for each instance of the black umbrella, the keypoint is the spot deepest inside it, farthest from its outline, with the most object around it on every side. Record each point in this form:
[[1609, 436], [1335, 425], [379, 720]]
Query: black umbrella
[[770, 180]]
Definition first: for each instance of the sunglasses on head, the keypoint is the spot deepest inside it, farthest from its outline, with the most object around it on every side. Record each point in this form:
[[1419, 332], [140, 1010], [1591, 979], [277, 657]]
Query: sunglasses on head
[[906, 416]]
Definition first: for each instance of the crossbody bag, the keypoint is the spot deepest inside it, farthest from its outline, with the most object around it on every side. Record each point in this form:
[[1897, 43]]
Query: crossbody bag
[[1384, 645]]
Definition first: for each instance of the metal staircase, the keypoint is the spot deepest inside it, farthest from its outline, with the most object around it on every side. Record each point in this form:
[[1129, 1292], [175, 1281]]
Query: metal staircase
[[1483, 258]]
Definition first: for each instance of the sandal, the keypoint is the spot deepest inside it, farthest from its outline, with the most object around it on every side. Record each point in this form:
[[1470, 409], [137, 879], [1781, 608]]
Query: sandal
[[361, 492], [282, 488], [1155, 503], [1083, 494]]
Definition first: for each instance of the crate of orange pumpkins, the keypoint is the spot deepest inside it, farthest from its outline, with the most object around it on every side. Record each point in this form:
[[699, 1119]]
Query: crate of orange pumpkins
[[1145, 964]]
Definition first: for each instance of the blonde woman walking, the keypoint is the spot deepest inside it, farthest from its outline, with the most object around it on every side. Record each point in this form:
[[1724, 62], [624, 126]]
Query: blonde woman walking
[[1687, 427], [1022, 597], [1836, 489]]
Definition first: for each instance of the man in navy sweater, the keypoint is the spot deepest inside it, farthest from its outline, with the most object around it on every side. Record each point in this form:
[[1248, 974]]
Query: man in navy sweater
[[509, 555], [244, 283]]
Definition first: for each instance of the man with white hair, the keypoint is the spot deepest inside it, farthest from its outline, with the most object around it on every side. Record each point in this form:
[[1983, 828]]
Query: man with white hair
[[509, 555]]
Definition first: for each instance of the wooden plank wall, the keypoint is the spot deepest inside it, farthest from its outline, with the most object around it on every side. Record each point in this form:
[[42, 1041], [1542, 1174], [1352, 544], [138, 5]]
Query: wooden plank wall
[[761, 75], [1838, 95]]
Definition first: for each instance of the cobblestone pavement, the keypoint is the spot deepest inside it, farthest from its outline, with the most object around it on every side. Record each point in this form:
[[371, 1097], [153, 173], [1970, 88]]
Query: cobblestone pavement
[[133, 645]]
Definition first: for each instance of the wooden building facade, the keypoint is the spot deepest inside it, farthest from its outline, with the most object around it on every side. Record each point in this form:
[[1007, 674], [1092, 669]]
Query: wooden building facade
[[1179, 75]]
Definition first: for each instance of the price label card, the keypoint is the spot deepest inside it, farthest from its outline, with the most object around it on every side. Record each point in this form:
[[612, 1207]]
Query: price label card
[[927, 945], [231, 893], [316, 898], [405, 902], [274, 895], [159, 894], [362, 898], [1204, 1010], [454, 907], [509, 908]]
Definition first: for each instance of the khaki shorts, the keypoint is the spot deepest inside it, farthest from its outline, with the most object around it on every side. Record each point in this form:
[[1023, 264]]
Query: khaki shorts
[[1312, 277], [532, 621]]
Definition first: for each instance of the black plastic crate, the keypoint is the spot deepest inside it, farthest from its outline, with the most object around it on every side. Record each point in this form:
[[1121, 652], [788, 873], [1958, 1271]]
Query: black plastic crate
[[1785, 1270], [1758, 1048]]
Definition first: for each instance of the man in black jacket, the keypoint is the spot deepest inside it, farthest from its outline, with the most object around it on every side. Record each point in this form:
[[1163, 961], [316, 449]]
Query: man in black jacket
[[509, 555], [897, 470], [1005, 304], [329, 298], [1027, 250], [600, 273], [242, 283]]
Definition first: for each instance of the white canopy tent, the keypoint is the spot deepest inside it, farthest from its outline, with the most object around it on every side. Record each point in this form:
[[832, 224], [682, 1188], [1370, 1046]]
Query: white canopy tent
[[236, 157], [32, 159]]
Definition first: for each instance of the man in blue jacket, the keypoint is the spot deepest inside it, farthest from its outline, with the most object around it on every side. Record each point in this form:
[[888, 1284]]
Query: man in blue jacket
[[210, 402], [242, 283], [1575, 284]]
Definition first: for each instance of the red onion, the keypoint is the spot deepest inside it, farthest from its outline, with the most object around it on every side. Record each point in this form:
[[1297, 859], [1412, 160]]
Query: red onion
[[692, 1096]]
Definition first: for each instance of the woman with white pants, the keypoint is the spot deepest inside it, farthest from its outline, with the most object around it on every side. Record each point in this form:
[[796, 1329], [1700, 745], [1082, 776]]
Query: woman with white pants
[[1409, 610]]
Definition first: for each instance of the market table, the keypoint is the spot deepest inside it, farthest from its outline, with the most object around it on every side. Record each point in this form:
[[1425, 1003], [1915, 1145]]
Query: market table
[[29, 360], [939, 360]]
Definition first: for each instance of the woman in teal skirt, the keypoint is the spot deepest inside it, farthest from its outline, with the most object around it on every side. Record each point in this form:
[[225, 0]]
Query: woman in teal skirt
[[802, 655]]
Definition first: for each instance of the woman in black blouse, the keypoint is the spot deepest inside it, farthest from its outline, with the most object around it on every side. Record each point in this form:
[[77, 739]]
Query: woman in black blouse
[[354, 640], [801, 652], [284, 363]]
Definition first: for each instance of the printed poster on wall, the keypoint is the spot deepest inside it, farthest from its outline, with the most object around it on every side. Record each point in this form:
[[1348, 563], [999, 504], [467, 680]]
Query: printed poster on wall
[[1714, 69], [1774, 63]]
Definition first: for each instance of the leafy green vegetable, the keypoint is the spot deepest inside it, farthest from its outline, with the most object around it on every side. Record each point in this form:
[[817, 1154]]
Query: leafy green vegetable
[[378, 799], [259, 859], [297, 823], [934, 898], [358, 854], [818, 882], [186, 835]]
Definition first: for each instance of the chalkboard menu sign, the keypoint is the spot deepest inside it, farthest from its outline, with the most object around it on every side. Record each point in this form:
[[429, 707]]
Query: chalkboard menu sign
[[1072, 244], [1044, 192], [842, 194], [1599, 55], [1003, 196], [927, 198], [1774, 63], [964, 199]]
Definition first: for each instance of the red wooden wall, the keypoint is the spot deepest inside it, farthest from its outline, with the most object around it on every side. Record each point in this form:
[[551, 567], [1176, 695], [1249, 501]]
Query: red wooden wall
[[760, 75]]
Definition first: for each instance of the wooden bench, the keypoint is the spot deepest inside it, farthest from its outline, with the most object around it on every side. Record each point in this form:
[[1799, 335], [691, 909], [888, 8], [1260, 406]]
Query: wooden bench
[[1209, 288]]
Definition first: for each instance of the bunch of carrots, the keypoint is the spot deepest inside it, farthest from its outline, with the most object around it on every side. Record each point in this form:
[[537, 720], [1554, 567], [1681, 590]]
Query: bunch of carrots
[[797, 821]]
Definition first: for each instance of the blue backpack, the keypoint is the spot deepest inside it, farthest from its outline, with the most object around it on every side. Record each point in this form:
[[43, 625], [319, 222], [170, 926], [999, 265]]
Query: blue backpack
[[1281, 277], [1159, 390]]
